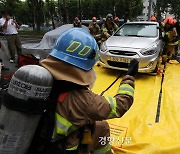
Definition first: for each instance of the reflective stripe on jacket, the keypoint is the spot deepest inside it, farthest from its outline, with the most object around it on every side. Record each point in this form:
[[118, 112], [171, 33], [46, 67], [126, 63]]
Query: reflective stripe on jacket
[[126, 89], [103, 150], [63, 127], [73, 148], [123, 89], [113, 104]]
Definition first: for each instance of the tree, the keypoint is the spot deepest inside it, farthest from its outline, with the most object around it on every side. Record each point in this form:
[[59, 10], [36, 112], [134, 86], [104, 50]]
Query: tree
[[51, 10], [161, 7], [18, 9], [10, 6], [129, 9], [65, 10], [36, 9], [175, 8], [164, 6], [22, 13], [38, 12]]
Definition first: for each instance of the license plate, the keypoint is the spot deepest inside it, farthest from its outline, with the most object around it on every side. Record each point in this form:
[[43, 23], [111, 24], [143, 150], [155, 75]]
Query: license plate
[[123, 60]]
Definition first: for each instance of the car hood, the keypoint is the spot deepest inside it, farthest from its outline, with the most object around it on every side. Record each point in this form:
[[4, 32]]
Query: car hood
[[130, 42]]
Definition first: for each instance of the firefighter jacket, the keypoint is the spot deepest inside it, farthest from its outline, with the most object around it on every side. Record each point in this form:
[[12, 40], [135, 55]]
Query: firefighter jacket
[[79, 107], [107, 31], [94, 29], [77, 24], [171, 37]]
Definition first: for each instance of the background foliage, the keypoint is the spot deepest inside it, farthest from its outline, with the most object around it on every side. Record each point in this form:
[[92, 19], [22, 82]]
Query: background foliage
[[37, 13]]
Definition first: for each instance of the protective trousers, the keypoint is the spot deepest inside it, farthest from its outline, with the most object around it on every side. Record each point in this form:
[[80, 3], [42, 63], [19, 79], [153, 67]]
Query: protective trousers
[[167, 53], [14, 45]]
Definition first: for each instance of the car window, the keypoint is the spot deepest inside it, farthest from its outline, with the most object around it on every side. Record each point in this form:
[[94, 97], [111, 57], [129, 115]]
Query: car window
[[138, 30]]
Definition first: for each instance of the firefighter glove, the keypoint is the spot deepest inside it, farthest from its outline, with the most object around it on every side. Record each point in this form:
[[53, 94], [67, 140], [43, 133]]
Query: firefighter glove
[[133, 67]]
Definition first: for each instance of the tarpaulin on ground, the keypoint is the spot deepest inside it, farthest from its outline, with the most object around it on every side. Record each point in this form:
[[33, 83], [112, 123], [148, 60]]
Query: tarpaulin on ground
[[139, 131]]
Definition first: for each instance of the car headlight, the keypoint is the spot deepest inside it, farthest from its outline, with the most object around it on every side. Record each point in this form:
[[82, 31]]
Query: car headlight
[[103, 47], [150, 51]]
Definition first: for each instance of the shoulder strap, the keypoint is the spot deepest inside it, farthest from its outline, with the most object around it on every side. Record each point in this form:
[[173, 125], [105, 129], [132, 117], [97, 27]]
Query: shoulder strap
[[62, 97]]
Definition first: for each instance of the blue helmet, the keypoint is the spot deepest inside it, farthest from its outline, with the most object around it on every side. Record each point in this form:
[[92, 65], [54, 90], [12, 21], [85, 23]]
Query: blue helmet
[[77, 47]]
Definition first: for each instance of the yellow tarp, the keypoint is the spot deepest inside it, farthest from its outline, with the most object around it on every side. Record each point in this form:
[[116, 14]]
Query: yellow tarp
[[137, 131]]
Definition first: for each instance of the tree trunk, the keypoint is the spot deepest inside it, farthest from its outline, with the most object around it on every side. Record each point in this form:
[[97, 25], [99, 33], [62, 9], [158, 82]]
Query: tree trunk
[[53, 22], [59, 10], [79, 11], [114, 7], [158, 10], [34, 21], [149, 10]]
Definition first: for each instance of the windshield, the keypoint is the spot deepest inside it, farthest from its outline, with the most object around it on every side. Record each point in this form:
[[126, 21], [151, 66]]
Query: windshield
[[138, 30]]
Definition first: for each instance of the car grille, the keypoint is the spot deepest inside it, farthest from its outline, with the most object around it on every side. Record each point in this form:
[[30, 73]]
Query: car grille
[[118, 64], [125, 53]]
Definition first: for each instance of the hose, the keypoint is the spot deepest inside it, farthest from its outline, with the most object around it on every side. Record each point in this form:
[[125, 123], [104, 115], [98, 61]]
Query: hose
[[102, 93]]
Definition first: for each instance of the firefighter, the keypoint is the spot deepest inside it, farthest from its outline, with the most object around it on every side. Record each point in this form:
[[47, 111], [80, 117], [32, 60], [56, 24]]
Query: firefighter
[[77, 22], [170, 39], [71, 64], [95, 30], [94, 27], [108, 28]]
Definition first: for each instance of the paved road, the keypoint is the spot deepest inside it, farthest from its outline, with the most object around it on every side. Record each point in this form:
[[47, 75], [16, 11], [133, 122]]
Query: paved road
[[4, 55], [27, 38]]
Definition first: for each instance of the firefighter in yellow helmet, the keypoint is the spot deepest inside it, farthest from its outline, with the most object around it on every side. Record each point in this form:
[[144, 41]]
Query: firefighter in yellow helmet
[[108, 28], [71, 64]]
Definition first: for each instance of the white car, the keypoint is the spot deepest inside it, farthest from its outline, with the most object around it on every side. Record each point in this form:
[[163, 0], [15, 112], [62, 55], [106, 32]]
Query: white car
[[139, 40]]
